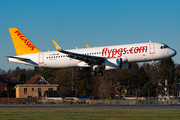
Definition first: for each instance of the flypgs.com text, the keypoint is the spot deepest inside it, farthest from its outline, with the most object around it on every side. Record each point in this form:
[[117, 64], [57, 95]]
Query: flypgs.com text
[[121, 51]]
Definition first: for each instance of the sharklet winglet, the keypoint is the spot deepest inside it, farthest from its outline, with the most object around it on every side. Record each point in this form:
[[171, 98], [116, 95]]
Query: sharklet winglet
[[87, 46], [56, 45]]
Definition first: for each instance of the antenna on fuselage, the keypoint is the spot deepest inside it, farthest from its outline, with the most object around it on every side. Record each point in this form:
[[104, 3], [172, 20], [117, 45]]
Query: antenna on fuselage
[[150, 41]]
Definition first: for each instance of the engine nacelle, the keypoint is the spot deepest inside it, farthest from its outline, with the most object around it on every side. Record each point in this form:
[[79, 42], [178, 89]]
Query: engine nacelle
[[116, 63]]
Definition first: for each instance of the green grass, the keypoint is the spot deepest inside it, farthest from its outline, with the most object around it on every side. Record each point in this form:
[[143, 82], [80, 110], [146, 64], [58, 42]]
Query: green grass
[[89, 114]]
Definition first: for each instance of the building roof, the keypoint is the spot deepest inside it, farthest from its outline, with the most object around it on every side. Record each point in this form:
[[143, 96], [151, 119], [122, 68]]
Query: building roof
[[37, 79], [36, 85], [175, 84]]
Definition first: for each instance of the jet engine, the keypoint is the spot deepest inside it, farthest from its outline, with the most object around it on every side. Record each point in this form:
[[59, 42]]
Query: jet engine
[[116, 63]]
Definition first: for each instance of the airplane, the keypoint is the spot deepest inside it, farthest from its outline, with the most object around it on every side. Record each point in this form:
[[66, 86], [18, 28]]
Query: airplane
[[116, 57]]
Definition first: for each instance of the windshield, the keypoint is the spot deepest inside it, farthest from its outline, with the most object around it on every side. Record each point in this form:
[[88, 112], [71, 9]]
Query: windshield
[[165, 46]]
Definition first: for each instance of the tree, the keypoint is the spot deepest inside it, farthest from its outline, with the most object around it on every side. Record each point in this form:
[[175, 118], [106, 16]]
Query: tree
[[143, 77], [75, 78], [85, 75], [106, 89], [149, 90], [1, 90], [82, 88], [3, 75], [63, 91], [130, 77], [177, 72], [153, 76], [63, 78], [10, 92], [160, 89], [167, 69], [22, 78], [48, 74], [119, 89]]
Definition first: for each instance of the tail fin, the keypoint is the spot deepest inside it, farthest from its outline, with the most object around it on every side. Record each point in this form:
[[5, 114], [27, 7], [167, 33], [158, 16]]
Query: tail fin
[[21, 43]]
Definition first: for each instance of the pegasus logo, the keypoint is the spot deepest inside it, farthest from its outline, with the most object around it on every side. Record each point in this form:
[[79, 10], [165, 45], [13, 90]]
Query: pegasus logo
[[26, 41]]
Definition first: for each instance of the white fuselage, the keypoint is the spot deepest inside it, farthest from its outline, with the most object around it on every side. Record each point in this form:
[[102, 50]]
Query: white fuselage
[[130, 53]]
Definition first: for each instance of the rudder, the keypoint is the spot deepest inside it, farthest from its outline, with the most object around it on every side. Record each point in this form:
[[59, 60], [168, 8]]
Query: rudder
[[21, 43]]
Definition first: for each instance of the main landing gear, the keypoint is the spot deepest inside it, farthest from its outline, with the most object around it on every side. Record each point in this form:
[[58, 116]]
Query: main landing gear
[[93, 73]]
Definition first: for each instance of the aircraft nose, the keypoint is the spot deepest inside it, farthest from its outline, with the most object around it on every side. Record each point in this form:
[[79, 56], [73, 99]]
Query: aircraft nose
[[173, 52]]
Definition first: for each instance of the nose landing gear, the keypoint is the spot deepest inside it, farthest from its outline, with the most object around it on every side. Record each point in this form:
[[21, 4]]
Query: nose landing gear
[[154, 68]]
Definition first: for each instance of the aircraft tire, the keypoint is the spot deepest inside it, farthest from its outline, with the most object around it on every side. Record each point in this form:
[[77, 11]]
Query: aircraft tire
[[100, 73], [93, 73], [154, 68]]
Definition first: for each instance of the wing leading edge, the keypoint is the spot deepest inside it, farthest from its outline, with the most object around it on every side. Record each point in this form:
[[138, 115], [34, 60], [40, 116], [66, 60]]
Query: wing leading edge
[[91, 60]]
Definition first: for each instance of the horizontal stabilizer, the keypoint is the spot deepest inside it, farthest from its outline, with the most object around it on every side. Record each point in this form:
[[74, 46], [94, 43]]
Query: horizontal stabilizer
[[22, 60], [18, 58]]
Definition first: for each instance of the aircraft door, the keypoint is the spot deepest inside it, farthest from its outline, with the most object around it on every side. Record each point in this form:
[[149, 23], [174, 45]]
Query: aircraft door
[[41, 58], [151, 49]]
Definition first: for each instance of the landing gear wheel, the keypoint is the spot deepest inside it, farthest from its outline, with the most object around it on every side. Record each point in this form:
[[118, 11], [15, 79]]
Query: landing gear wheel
[[93, 73], [100, 73], [154, 68]]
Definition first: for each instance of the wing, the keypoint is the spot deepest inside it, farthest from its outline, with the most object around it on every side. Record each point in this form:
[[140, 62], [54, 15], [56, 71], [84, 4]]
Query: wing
[[91, 60]]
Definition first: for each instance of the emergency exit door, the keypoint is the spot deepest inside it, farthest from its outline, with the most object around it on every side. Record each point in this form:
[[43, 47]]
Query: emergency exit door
[[151, 48], [41, 58]]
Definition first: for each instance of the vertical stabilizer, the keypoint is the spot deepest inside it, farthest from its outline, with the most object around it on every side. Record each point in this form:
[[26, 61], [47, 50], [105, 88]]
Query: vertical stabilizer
[[21, 43]]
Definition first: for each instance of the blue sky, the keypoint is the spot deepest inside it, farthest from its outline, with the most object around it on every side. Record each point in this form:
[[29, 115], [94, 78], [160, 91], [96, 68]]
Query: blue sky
[[74, 23]]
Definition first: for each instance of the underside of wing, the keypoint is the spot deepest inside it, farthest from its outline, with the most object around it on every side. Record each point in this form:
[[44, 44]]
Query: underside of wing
[[86, 58]]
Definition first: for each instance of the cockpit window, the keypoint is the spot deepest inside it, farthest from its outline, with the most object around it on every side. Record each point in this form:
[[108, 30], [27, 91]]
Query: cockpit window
[[165, 46]]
